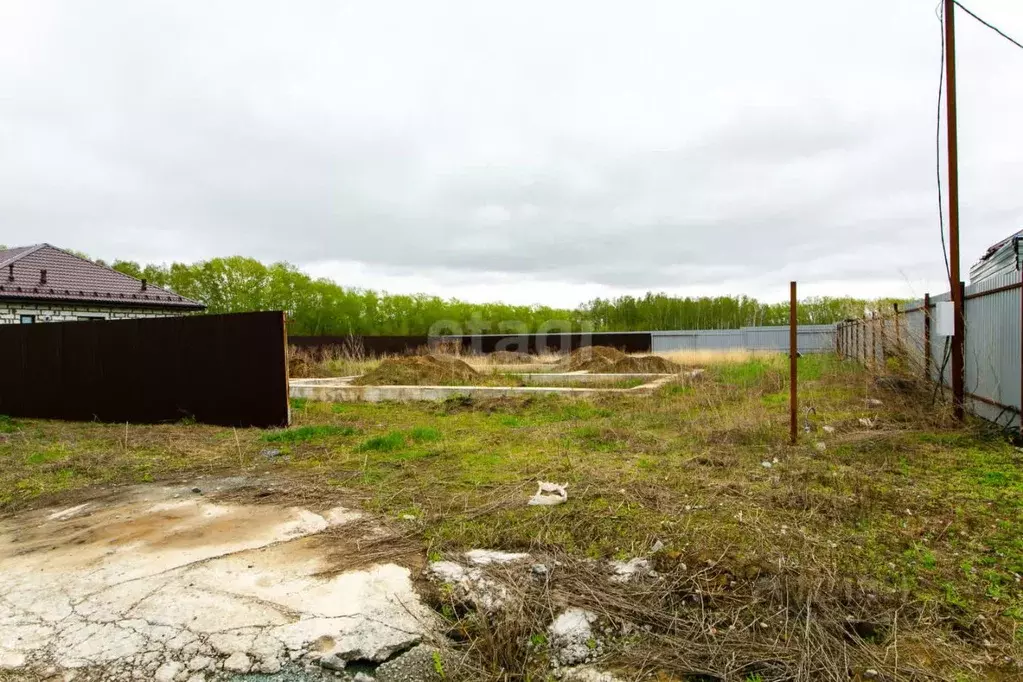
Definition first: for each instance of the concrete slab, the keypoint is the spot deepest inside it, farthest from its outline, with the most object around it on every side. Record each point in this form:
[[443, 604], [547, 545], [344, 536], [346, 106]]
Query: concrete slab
[[154, 582], [340, 389]]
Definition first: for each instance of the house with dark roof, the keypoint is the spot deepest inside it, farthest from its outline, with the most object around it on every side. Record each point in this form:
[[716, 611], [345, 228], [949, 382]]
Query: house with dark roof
[[42, 283]]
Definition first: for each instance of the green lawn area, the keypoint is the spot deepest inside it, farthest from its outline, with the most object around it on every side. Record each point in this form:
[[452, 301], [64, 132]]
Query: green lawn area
[[902, 540]]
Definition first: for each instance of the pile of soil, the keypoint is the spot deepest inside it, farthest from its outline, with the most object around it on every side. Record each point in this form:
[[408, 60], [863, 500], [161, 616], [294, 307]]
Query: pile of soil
[[601, 360], [648, 364], [418, 370], [509, 357], [596, 359]]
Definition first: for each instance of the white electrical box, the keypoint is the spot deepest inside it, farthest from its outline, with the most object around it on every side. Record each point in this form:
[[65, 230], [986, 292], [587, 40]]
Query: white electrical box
[[944, 318]]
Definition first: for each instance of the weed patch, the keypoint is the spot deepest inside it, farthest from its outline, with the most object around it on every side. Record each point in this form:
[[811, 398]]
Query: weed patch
[[307, 433], [395, 440]]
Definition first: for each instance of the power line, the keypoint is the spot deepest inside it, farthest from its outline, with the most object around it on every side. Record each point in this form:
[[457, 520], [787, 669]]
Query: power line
[[937, 150], [989, 25]]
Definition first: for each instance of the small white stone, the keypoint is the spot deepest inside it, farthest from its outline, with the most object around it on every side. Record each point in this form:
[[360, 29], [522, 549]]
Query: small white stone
[[168, 671], [11, 660], [270, 666], [237, 662], [199, 663], [766, 464], [485, 557]]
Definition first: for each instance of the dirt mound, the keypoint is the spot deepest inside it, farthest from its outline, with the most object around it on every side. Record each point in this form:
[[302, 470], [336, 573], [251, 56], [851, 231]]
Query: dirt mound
[[602, 360], [647, 364], [591, 358], [510, 357], [417, 370]]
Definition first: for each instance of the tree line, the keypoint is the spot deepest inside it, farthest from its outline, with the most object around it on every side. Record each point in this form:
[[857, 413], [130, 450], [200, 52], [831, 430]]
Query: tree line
[[323, 307]]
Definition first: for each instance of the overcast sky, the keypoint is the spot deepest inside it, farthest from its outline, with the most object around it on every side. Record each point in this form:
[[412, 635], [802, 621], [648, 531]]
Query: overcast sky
[[533, 152]]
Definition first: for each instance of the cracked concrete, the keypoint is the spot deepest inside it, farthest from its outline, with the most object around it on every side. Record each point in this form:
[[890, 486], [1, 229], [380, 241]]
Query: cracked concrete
[[163, 584]]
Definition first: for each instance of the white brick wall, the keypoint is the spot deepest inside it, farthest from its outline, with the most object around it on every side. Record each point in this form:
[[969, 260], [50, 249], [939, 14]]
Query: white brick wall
[[48, 311]]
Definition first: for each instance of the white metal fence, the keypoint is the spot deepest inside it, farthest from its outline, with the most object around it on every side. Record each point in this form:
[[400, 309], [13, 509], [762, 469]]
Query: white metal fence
[[818, 338], [992, 346]]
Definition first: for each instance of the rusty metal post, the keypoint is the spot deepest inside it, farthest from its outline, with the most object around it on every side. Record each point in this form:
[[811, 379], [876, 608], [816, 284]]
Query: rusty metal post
[[959, 377], [927, 337], [793, 365], [958, 364]]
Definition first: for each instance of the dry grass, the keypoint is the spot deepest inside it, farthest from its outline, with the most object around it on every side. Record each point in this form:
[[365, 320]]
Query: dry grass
[[702, 358], [896, 548]]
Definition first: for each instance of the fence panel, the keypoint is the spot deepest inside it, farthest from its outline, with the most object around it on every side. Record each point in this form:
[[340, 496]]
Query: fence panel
[[992, 348], [912, 329], [218, 369], [811, 339], [707, 339]]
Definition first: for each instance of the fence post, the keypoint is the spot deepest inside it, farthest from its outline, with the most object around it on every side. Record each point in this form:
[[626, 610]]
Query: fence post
[[861, 340], [873, 342], [884, 345], [927, 337], [959, 367], [793, 365], [898, 334]]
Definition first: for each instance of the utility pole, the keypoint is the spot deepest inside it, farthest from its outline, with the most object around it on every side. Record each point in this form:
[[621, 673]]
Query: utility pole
[[793, 364], [953, 212]]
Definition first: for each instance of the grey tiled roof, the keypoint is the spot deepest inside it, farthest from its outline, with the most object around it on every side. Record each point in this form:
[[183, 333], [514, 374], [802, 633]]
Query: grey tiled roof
[[70, 278]]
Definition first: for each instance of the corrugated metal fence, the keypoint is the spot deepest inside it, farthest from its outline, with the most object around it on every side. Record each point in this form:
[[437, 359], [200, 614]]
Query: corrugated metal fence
[[819, 338], [217, 369], [992, 344]]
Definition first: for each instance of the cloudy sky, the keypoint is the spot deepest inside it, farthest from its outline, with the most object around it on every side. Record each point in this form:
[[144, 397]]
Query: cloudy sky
[[547, 151]]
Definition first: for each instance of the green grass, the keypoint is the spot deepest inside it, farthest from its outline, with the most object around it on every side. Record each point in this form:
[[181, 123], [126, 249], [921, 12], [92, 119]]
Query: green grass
[[424, 434], [917, 521], [390, 442], [8, 425], [307, 433]]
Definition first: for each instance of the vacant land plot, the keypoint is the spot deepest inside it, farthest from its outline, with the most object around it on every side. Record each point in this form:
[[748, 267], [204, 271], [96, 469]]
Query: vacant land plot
[[886, 545]]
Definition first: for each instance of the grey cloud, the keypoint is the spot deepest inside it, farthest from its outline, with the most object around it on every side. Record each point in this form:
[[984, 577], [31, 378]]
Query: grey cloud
[[574, 142]]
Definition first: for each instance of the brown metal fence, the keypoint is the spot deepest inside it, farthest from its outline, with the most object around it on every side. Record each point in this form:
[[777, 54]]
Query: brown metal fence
[[217, 369], [630, 342], [906, 337]]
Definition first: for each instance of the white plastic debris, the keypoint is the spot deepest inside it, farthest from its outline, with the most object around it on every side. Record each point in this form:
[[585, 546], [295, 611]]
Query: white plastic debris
[[766, 464], [658, 546], [874, 402], [828, 428], [549, 494], [866, 421]]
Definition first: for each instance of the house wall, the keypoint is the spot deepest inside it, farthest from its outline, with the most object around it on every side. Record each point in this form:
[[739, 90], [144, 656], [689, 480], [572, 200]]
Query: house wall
[[46, 311]]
